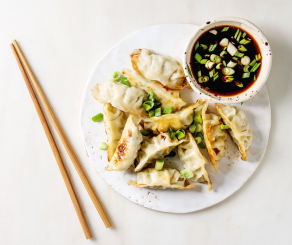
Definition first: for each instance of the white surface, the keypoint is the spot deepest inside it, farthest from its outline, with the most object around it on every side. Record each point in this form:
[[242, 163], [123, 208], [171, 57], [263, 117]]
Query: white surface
[[63, 42], [233, 171]]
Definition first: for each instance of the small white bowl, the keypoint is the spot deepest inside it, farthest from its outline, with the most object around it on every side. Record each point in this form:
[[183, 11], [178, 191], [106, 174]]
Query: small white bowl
[[265, 51]]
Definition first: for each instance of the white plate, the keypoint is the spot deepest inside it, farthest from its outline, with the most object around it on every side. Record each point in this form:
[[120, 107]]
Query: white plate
[[171, 39]]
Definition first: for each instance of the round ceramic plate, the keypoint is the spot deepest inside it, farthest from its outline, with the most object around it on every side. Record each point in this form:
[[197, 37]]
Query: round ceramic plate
[[171, 40]]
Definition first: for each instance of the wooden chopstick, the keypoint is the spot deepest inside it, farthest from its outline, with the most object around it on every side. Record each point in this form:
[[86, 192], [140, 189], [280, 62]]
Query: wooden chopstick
[[54, 149], [63, 137]]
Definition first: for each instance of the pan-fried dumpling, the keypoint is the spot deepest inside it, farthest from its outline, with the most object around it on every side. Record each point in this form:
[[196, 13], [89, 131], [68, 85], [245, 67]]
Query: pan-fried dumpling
[[128, 146], [161, 179], [239, 128], [163, 69], [215, 137], [192, 159], [166, 97], [155, 148], [128, 99], [180, 119], [114, 122]]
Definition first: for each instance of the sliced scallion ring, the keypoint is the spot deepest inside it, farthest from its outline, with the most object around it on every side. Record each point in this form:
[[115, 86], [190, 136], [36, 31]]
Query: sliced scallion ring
[[242, 48], [211, 73], [187, 173], [212, 57], [224, 127], [244, 34], [245, 60], [214, 32], [245, 41], [199, 127], [246, 75], [151, 113], [197, 118], [159, 164], [224, 42], [97, 118], [217, 59], [227, 79], [158, 112], [192, 128], [204, 46], [253, 62], [231, 49], [116, 76], [212, 47], [148, 105], [198, 57], [203, 61], [245, 68], [227, 71], [258, 57], [219, 66], [199, 73], [171, 133], [231, 64], [180, 134], [238, 84], [151, 96], [144, 132], [125, 81], [223, 53], [168, 110], [198, 140], [224, 63], [200, 135], [197, 45], [225, 29], [239, 55], [103, 146], [201, 79], [209, 64]]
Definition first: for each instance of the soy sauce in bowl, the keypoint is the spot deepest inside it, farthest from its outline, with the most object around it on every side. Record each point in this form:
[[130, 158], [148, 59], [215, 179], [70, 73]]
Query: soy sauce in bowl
[[226, 60]]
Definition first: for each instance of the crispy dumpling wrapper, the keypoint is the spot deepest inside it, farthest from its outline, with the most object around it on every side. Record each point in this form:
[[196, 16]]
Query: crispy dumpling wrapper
[[161, 68], [239, 128], [155, 148], [128, 146], [161, 179], [192, 159], [114, 122], [214, 136], [167, 98], [127, 99]]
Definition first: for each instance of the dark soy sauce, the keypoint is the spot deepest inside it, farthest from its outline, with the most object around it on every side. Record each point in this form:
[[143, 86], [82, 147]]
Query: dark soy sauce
[[218, 87]]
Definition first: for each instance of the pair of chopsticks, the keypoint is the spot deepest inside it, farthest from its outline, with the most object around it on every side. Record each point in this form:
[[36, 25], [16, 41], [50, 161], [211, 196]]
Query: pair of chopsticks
[[30, 78]]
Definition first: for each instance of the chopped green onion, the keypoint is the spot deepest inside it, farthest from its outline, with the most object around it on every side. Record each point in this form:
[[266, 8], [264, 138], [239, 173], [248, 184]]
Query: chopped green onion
[[224, 63], [199, 73], [213, 57], [224, 43], [158, 112], [212, 47], [231, 49], [209, 64], [198, 140], [245, 68], [151, 113], [253, 62], [242, 48], [125, 81], [255, 67], [231, 64], [198, 57], [223, 53], [148, 105], [224, 127], [199, 127], [214, 32], [225, 29], [171, 133], [159, 164], [243, 35], [187, 173], [227, 71], [192, 128], [97, 118], [227, 79], [204, 46], [258, 57], [238, 84], [180, 134], [171, 154], [236, 33], [197, 45], [116, 76], [203, 61], [239, 64], [167, 110], [197, 118], [201, 145], [199, 108], [239, 35], [219, 66], [103, 146], [217, 59], [245, 60], [254, 77], [238, 54], [215, 77], [151, 95], [156, 104], [211, 73], [203, 79], [241, 103], [144, 132], [200, 135], [245, 41], [207, 55]]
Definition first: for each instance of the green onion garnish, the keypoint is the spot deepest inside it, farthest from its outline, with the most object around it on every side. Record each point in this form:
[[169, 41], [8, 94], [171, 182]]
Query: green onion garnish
[[148, 105], [224, 63], [245, 68], [125, 81], [254, 77], [215, 77], [236, 33], [223, 53], [199, 127], [227, 79], [171, 154], [203, 61], [116, 76], [242, 48], [225, 29], [198, 57], [211, 73], [97, 118], [198, 140], [159, 164], [171, 133], [204, 46], [158, 112], [246, 75], [235, 58], [243, 35], [199, 73], [238, 84], [144, 132], [167, 110], [203, 79], [197, 118], [224, 127], [212, 47], [151, 113], [255, 67], [197, 45], [219, 66], [187, 173], [180, 134], [238, 54], [241, 103], [253, 62], [103, 146], [156, 104], [151, 95], [258, 57], [200, 135], [201, 145], [192, 128], [239, 35], [245, 41]]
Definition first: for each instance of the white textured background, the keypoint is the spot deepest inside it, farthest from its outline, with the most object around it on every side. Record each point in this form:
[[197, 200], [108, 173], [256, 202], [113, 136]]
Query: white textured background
[[63, 40]]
